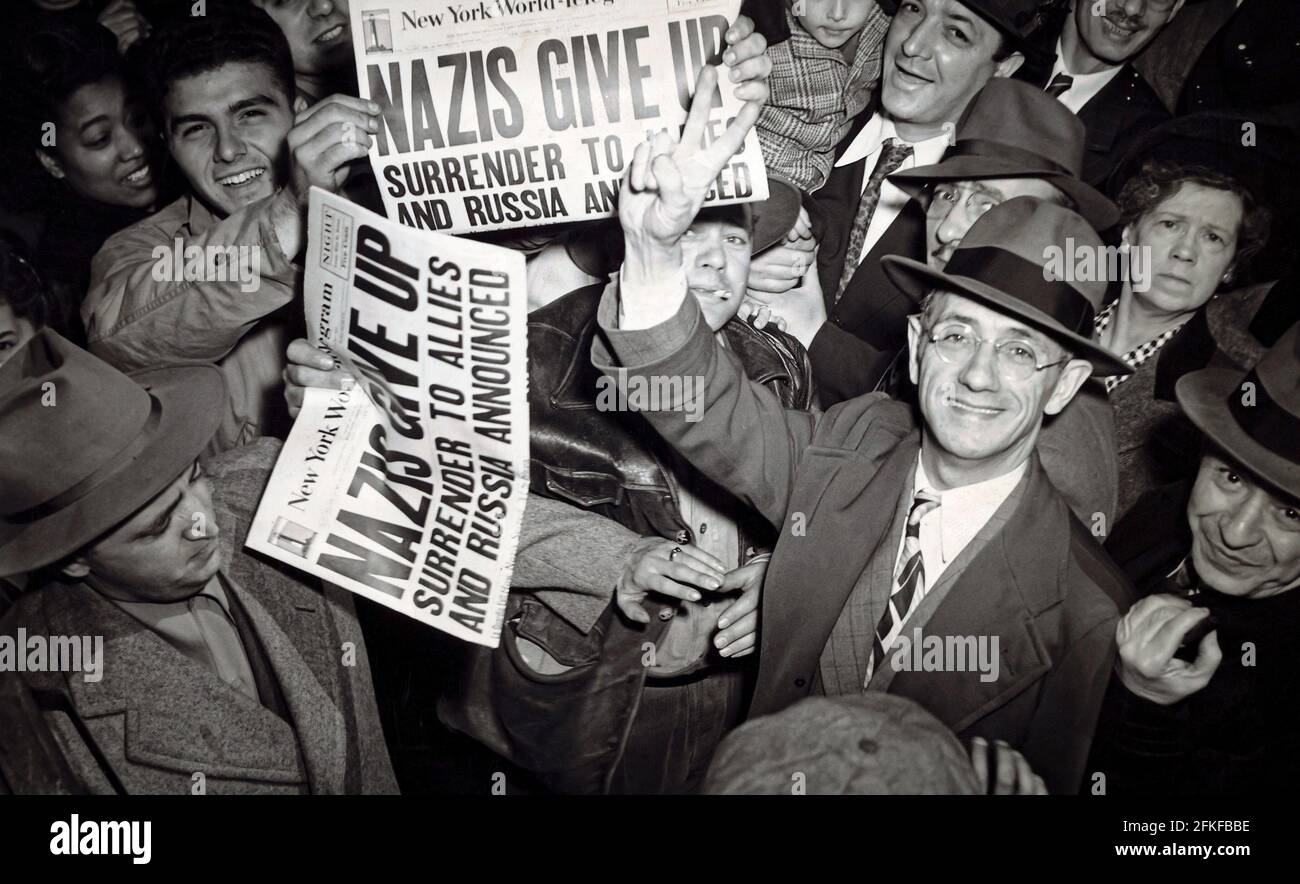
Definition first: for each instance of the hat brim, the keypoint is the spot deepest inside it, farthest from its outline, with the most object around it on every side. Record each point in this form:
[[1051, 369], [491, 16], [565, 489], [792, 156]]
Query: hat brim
[[1089, 202], [190, 400], [1203, 396], [774, 216], [915, 279]]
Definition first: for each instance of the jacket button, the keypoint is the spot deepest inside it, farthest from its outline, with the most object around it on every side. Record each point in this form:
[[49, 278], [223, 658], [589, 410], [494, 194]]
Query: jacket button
[[799, 682], [704, 528], [666, 614], [683, 536]]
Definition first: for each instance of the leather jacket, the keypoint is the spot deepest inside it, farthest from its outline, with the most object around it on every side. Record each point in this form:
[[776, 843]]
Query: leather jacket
[[568, 729]]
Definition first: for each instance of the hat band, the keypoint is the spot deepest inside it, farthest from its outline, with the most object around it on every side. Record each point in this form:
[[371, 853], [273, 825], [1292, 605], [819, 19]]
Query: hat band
[[979, 147], [1265, 421], [107, 470], [1024, 280]]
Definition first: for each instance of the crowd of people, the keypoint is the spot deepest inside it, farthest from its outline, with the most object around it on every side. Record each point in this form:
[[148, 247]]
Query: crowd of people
[[991, 483]]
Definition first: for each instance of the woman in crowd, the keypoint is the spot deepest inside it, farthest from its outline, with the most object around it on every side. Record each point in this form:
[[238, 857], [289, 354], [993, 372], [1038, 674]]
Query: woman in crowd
[[96, 144], [1192, 218]]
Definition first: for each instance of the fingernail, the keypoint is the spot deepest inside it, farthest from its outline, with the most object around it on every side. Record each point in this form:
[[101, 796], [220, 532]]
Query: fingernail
[[729, 57], [723, 623], [695, 596], [715, 584], [372, 107], [347, 382]]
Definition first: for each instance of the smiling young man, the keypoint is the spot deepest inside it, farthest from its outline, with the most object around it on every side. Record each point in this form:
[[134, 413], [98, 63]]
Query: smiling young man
[[1203, 701], [887, 529], [213, 661], [1093, 74], [210, 277]]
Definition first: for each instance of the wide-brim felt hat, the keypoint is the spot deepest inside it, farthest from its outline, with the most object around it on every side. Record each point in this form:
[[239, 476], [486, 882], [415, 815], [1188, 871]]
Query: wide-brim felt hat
[[1005, 262], [1255, 417], [1014, 130], [1015, 19], [597, 248], [83, 446]]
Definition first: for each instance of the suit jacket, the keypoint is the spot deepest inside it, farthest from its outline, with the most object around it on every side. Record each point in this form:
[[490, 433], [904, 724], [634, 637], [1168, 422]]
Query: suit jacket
[[868, 326], [1125, 108], [832, 484], [157, 717]]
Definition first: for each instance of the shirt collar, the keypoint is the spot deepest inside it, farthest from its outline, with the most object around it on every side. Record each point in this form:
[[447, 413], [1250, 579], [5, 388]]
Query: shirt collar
[[1099, 79], [871, 138], [963, 511], [197, 216], [156, 615]]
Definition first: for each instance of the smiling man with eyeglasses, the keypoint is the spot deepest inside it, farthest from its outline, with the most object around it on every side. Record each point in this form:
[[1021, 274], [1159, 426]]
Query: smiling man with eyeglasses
[[892, 532]]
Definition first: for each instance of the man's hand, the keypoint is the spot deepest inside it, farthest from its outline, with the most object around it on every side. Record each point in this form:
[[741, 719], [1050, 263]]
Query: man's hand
[[738, 621], [325, 138], [651, 566], [309, 367], [801, 311], [1148, 637], [125, 21], [1012, 774], [783, 266]]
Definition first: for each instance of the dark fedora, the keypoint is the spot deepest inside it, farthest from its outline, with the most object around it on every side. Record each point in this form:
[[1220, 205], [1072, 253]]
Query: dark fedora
[[1004, 261], [1254, 417], [83, 446], [1014, 130], [1015, 19], [597, 248]]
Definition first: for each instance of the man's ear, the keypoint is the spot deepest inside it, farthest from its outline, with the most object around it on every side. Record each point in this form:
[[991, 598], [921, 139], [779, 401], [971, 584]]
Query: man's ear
[[1076, 371], [77, 569], [914, 348], [299, 104], [50, 164], [1009, 65]]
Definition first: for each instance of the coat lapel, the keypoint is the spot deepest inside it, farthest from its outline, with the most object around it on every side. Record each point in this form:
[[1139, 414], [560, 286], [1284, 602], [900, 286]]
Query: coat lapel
[[299, 649], [179, 715], [1015, 575]]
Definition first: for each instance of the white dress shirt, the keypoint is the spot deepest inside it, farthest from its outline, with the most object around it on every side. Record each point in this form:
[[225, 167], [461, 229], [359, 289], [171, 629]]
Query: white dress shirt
[[949, 528], [1085, 86], [868, 144]]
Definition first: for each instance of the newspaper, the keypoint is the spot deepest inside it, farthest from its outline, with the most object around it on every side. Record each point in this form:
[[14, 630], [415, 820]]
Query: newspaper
[[515, 113], [409, 488]]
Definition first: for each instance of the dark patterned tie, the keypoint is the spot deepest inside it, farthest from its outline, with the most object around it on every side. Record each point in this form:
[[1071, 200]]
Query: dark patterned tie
[[1060, 84], [909, 582], [892, 154]]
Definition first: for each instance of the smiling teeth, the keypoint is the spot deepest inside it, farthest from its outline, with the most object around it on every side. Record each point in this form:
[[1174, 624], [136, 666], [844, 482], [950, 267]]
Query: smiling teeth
[[955, 404], [233, 180], [138, 175], [330, 34]]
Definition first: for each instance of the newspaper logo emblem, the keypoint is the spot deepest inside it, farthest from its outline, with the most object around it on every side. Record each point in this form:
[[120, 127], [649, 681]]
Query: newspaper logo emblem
[[377, 28]]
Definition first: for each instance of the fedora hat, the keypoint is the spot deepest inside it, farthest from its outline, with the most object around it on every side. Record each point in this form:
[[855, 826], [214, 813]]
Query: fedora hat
[[1014, 130], [83, 446], [1015, 19], [1254, 417], [1004, 262]]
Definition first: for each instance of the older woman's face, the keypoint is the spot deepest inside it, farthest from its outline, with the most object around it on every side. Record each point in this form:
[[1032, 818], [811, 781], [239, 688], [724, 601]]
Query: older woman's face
[[1191, 236]]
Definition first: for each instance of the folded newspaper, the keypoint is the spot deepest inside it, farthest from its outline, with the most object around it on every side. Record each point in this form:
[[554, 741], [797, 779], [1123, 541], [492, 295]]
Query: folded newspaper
[[514, 113], [408, 489]]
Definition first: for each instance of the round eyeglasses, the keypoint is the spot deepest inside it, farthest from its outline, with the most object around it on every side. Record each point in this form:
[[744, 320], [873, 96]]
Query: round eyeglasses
[[1016, 358]]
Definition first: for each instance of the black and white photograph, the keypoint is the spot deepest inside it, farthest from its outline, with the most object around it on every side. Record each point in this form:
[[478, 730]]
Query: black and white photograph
[[530, 421]]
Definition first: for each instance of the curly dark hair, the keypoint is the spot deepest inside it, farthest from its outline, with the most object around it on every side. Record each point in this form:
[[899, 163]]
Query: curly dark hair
[[229, 32], [1158, 180], [21, 286], [57, 61]]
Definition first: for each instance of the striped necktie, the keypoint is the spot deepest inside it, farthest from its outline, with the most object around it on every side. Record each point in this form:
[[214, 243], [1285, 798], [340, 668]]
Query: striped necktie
[[1060, 84], [892, 155], [909, 581]]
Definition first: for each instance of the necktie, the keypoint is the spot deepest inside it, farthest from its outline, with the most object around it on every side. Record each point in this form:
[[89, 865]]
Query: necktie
[[892, 154], [909, 581], [216, 631], [1060, 84]]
